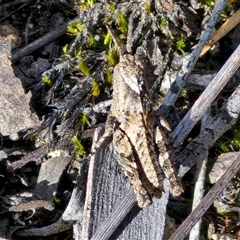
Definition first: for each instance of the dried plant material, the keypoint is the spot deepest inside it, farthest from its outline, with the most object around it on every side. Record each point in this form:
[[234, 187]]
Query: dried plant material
[[210, 93], [35, 204], [231, 23], [35, 156]]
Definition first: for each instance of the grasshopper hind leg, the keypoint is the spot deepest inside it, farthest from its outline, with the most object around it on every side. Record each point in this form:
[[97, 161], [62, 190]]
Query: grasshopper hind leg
[[126, 159]]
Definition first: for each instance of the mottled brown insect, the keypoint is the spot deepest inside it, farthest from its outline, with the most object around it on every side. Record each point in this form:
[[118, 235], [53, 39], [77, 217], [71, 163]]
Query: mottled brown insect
[[141, 146]]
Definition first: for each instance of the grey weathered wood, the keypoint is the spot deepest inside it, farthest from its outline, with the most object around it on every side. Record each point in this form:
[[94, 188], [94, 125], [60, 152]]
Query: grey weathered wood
[[117, 216], [222, 163], [107, 186]]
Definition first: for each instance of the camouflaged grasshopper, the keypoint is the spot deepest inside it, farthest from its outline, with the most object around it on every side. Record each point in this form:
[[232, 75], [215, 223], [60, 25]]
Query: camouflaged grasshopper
[[141, 146]]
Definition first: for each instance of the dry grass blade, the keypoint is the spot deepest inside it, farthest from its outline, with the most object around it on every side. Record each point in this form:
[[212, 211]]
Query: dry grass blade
[[231, 23]]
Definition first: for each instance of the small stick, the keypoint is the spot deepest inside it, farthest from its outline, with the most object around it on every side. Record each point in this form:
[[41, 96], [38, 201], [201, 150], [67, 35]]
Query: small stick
[[34, 156], [202, 207], [27, 28], [44, 40], [207, 97], [216, 127], [200, 179]]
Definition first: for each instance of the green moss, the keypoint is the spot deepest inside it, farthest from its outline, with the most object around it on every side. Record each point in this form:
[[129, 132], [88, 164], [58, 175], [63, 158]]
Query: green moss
[[108, 40], [92, 43], [83, 68], [162, 22], [224, 148], [86, 4], [148, 8], [122, 23], [74, 28], [112, 8], [108, 77], [84, 120], [112, 57], [226, 12], [95, 89], [47, 80], [78, 52], [78, 146], [236, 139], [209, 3], [65, 51], [57, 200], [180, 44]]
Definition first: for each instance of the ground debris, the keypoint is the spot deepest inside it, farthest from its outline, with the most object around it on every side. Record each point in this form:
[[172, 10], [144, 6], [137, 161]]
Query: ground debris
[[87, 193]]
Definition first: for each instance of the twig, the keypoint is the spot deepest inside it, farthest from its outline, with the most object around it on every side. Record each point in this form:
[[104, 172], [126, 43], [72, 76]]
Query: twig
[[207, 97], [27, 28], [34, 156], [34, 204], [200, 177], [44, 40], [198, 212], [199, 194]]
